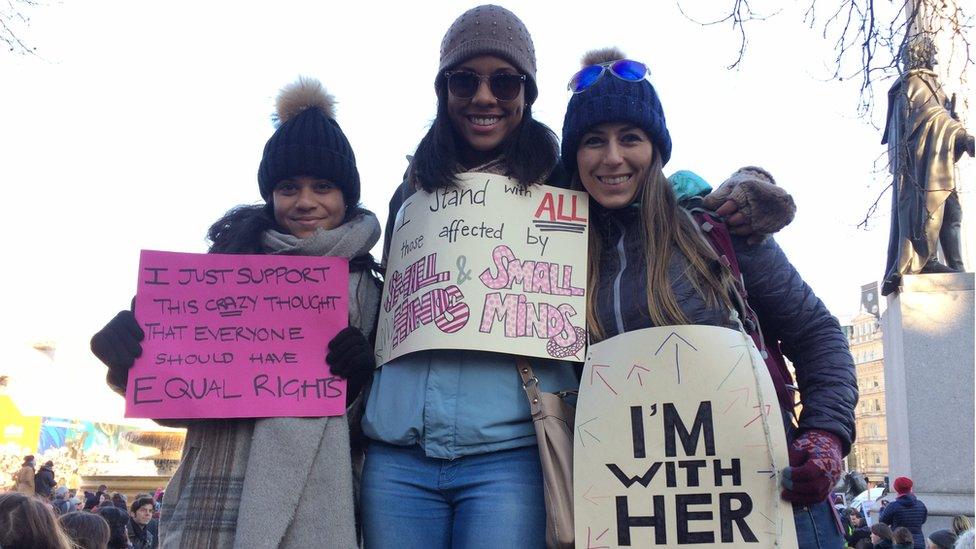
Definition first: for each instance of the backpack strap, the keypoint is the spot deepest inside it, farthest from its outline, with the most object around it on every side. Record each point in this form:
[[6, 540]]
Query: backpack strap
[[717, 234]]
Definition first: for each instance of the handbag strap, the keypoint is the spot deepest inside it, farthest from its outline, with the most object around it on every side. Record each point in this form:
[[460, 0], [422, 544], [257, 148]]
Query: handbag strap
[[530, 384]]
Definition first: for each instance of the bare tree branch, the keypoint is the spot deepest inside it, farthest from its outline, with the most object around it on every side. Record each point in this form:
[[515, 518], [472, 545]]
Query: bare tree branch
[[869, 39], [740, 14], [857, 26], [13, 21]]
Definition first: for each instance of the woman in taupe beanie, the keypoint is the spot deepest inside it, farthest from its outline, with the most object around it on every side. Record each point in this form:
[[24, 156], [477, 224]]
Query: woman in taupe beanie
[[453, 459]]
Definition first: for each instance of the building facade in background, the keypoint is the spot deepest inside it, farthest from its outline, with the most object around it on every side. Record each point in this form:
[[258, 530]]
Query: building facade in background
[[869, 454]]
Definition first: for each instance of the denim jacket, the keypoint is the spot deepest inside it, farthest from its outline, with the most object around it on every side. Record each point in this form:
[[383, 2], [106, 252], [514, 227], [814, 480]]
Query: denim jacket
[[455, 403]]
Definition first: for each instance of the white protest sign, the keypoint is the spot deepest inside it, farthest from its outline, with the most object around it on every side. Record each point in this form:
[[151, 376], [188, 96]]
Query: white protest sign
[[487, 265], [679, 440]]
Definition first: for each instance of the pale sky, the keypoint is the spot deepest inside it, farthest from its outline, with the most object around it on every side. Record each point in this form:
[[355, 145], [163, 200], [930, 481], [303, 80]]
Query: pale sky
[[139, 124]]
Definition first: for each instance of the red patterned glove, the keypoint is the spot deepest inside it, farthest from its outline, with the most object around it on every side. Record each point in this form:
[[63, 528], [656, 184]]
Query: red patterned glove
[[815, 467]]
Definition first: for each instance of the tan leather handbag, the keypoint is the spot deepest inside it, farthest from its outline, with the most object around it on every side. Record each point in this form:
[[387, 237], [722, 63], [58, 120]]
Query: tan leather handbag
[[553, 420]]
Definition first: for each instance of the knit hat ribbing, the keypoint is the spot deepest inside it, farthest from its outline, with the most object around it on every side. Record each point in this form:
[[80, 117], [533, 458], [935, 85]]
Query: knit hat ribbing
[[489, 30], [611, 99], [308, 141]]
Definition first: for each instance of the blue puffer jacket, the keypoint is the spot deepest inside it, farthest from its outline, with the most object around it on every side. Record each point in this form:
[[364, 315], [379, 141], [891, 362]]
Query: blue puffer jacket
[[907, 511], [788, 310]]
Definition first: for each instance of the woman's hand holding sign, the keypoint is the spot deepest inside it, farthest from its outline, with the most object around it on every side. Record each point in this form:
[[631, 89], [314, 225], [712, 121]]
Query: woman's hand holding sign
[[815, 467], [351, 356], [117, 345]]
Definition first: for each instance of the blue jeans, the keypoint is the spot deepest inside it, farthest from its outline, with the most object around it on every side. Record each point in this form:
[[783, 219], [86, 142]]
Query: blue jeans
[[816, 527], [488, 500]]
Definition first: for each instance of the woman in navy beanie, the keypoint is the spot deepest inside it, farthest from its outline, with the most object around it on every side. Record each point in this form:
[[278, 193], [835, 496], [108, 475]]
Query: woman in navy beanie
[[615, 144], [278, 482]]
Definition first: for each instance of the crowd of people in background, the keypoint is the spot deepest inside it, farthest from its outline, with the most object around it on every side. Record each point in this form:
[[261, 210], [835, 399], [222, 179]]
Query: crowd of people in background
[[899, 525], [38, 512], [378, 474]]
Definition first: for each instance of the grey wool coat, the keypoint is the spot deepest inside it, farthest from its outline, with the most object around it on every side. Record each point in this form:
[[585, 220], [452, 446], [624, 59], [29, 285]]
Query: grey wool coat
[[269, 482]]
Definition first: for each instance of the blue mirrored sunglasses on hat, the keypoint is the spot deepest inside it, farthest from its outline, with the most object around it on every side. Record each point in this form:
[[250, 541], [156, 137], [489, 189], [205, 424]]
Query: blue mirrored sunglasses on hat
[[624, 69]]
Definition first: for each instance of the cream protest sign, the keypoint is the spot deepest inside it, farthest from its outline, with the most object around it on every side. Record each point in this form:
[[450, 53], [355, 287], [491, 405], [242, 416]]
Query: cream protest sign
[[487, 265], [679, 440]]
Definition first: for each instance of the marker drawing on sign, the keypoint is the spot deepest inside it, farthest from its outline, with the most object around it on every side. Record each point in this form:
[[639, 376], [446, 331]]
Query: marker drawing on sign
[[463, 274], [677, 363], [235, 335], [581, 428], [593, 499], [758, 415], [589, 541], [674, 465], [734, 366], [746, 401], [637, 367], [403, 218], [594, 372], [457, 280]]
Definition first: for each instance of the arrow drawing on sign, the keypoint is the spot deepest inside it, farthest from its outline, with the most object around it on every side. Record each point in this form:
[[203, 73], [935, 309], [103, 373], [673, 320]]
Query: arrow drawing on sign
[[589, 540], [746, 389], [771, 521], [592, 499], [581, 428], [594, 372], [734, 366], [677, 364], [637, 367], [759, 415], [771, 473]]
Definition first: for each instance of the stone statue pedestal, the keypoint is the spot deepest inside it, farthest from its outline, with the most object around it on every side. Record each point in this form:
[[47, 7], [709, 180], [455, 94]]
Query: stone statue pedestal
[[929, 362]]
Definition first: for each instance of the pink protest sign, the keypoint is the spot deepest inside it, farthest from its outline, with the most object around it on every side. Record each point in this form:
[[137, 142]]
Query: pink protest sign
[[237, 336]]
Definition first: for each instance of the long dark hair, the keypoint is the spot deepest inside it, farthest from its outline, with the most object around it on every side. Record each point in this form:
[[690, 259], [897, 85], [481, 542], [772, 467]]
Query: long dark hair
[[86, 530], [239, 232], [531, 151]]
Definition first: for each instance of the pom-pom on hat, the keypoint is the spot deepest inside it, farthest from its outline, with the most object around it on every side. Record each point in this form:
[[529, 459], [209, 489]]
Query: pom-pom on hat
[[489, 30], [308, 141], [903, 485], [611, 99]]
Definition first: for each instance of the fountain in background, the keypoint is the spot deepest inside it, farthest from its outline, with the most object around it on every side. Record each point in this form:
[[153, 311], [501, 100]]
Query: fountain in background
[[162, 447], [168, 444]]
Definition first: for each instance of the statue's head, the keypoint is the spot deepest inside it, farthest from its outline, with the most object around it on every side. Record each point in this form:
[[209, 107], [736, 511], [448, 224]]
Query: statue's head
[[919, 53]]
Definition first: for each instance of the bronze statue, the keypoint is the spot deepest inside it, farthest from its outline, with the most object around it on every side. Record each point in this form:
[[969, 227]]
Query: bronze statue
[[925, 139]]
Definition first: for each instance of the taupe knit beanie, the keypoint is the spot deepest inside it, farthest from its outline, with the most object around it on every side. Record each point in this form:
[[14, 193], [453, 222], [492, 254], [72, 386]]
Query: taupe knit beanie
[[489, 30]]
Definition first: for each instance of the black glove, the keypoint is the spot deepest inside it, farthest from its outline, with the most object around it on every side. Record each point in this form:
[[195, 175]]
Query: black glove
[[351, 356], [117, 346]]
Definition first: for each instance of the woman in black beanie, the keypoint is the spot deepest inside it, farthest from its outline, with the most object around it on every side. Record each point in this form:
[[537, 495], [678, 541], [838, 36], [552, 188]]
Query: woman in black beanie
[[651, 265], [278, 482]]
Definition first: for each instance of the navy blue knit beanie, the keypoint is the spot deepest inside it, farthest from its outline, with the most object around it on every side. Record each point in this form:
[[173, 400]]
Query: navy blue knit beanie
[[611, 99], [309, 142]]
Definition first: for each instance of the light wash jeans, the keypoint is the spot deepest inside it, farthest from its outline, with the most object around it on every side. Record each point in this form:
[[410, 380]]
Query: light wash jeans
[[411, 501]]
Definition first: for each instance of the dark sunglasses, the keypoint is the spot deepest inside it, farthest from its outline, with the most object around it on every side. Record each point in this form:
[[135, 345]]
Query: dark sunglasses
[[504, 86], [624, 69]]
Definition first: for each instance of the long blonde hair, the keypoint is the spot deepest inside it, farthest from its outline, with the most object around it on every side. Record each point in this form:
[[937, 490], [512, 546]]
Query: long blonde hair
[[665, 229]]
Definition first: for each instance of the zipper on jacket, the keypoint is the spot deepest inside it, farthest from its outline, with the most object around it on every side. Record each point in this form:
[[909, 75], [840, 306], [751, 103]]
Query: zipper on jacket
[[622, 262]]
